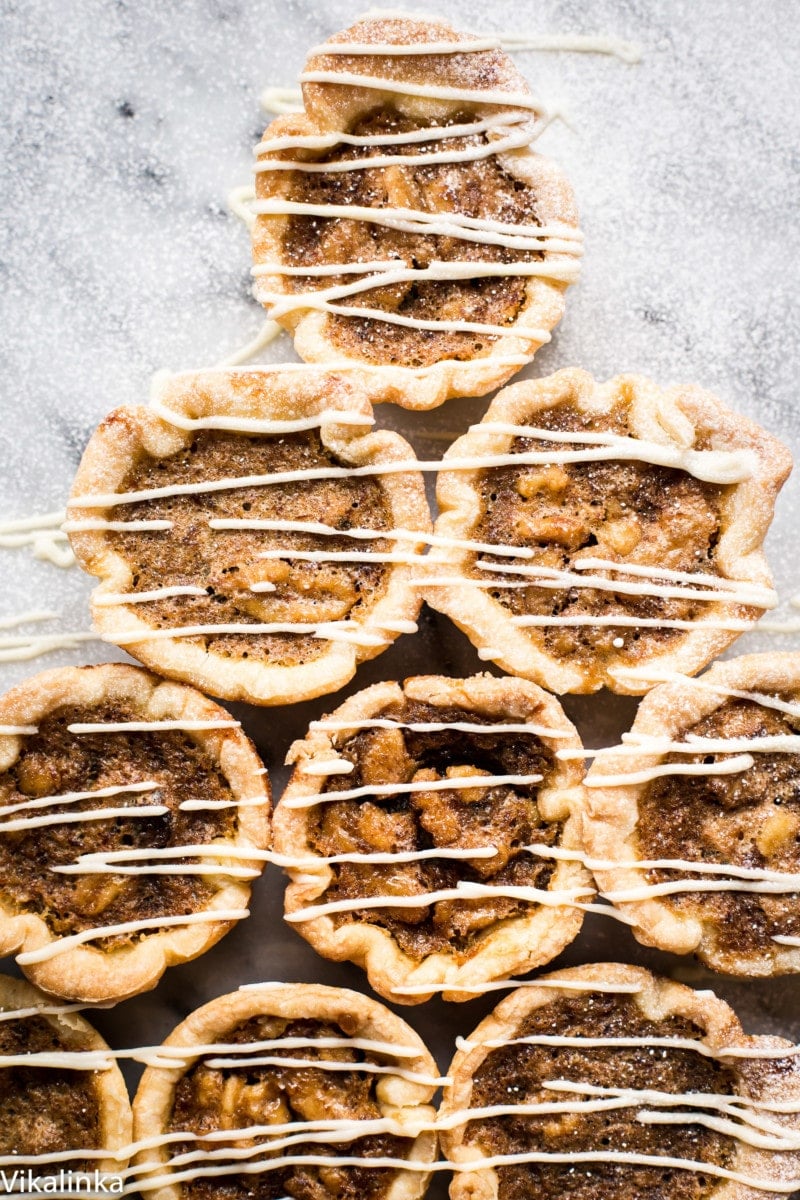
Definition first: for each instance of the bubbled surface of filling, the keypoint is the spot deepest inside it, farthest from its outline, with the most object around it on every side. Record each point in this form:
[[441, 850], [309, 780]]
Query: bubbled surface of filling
[[226, 563], [208, 1099], [516, 1074], [54, 761], [750, 819], [610, 509], [46, 1110], [506, 817], [480, 189]]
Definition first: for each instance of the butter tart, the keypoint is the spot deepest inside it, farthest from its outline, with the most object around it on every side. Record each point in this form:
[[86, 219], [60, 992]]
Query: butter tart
[[128, 806], [250, 551], [609, 1081], [411, 172], [308, 1062], [428, 830], [590, 532], [674, 795], [52, 1104]]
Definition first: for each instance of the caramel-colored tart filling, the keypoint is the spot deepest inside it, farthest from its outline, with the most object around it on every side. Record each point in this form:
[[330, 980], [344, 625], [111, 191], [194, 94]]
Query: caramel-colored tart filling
[[480, 189], [226, 563], [748, 819], [237, 525], [622, 511], [128, 807], [54, 761], [430, 834], [505, 817], [434, 251], [515, 1074], [589, 532], [46, 1110], [209, 1098], [64, 1106], [311, 1091]]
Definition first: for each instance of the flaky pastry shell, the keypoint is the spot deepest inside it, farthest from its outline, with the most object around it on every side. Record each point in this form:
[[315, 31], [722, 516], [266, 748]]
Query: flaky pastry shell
[[508, 944], [99, 975], [561, 532], [488, 360], [74, 1034], [767, 1079], [717, 824], [406, 1101], [238, 401]]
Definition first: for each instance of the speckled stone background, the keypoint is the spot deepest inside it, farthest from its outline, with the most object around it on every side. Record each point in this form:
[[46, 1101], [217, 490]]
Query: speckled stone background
[[125, 125]]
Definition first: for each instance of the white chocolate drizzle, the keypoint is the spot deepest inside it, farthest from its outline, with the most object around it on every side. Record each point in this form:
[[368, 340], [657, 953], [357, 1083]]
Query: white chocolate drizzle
[[276, 427], [281, 100], [575, 43], [268, 333], [376, 161], [432, 90], [462, 891], [328, 724], [711, 466], [421, 221], [556, 578], [43, 534], [20, 647], [301, 862], [111, 599], [190, 726], [428, 133], [467, 463], [76, 797], [72, 818], [396, 789], [320, 299], [239, 203], [570, 1041], [95, 524], [727, 766], [60, 945], [329, 631]]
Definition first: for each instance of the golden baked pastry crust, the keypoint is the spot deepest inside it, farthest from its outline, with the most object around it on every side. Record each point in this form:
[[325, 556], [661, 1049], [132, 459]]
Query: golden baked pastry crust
[[264, 669], [114, 972], [615, 511], [660, 1003], [71, 1034], [469, 942], [337, 1011], [748, 819], [418, 368]]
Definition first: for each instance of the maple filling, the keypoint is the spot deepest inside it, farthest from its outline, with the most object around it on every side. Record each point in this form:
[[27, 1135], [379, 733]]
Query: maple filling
[[45, 1110], [480, 189], [54, 761], [506, 817], [227, 563], [751, 819], [620, 511], [208, 1099], [517, 1074]]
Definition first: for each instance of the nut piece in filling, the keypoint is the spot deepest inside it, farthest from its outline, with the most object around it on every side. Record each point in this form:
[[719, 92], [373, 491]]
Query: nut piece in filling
[[301, 1078], [128, 809], [681, 797], [613, 1082], [628, 522], [429, 834], [250, 549], [52, 1104], [455, 241]]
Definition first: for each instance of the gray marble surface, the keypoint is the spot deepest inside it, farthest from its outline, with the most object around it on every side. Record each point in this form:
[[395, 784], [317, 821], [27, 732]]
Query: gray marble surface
[[125, 125]]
